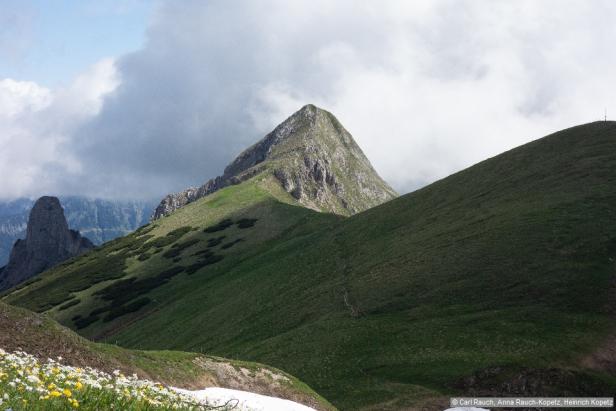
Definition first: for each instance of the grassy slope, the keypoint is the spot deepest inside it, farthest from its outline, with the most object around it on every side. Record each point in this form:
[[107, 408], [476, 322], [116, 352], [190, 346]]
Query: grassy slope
[[44, 338], [508, 263]]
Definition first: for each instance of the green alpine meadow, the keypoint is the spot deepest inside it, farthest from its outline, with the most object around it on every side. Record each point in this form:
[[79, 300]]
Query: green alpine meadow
[[307, 205], [498, 280]]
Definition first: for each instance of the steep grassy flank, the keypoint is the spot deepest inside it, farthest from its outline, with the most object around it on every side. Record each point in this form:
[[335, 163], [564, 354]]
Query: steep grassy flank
[[504, 264], [44, 338], [503, 271], [137, 274]]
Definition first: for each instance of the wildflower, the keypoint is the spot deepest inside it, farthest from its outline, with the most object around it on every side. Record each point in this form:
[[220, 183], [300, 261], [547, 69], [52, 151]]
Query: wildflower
[[67, 392], [78, 385], [55, 393], [33, 379]]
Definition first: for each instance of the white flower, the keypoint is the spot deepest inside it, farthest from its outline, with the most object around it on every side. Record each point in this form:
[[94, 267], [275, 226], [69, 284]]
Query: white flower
[[33, 379]]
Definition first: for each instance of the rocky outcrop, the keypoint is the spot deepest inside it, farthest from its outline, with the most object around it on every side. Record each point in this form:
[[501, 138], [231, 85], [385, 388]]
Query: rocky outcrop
[[99, 220], [312, 157], [48, 242]]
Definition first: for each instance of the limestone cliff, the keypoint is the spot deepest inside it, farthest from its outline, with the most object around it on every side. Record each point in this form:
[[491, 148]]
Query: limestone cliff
[[313, 158], [48, 242]]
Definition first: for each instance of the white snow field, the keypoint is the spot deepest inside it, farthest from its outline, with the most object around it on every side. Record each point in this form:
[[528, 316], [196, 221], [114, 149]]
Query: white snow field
[[246, 401]]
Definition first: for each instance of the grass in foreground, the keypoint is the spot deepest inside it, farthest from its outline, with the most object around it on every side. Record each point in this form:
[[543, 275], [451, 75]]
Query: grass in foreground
[[26, 383], [43, 338]]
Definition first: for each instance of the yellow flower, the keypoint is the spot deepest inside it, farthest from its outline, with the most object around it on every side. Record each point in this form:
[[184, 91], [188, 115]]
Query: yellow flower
[[51, 386], [67, 392], [79, 385], [75, 403], [55, 393]]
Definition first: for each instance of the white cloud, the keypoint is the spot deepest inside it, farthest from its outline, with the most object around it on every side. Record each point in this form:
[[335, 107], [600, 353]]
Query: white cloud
[[19, 96], [426, 88], [36, 124]]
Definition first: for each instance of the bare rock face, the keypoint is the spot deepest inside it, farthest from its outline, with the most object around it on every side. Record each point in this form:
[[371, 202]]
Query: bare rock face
[[48, 242], [312, 157]]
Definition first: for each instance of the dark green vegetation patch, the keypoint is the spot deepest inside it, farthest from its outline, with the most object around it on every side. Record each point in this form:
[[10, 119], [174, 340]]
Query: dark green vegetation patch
[[246, 222], [100, 264], [221, 226], [204, 261], [231, 243], [83, 322], [123, 291], [213, 242], [69, 304], [131, 307], [170, 238], [177, 248]]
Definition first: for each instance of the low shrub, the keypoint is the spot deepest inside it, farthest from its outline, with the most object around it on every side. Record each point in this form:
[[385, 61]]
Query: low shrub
[[85, 321], [127, 308], [222, 225], [213, 242], [205, 261], [124, 291], [170, 238], [177, 248], [246, 222], [204, 252], [69, 304], [231, 244]]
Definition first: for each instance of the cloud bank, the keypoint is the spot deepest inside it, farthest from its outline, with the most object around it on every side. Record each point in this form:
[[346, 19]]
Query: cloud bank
[[426, 88]]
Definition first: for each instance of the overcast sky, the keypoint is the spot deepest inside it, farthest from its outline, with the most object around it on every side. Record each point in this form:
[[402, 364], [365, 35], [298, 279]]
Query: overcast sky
[[138, 99]]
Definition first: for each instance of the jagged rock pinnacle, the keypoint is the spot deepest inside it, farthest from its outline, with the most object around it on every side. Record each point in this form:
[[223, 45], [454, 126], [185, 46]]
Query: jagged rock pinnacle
[[48, 242]]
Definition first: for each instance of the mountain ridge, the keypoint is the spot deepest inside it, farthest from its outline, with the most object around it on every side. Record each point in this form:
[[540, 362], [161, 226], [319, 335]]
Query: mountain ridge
[[495, 280], [310, 154]]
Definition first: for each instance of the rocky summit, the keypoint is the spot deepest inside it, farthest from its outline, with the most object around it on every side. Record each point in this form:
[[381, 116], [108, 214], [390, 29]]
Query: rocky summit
[[313, 158], [48, 242]]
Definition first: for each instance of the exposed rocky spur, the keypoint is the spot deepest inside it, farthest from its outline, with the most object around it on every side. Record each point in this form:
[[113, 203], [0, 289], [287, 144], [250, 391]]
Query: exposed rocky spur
[[312, 157]]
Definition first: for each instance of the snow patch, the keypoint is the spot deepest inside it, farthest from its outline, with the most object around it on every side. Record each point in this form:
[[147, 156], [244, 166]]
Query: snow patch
[[246, 401]]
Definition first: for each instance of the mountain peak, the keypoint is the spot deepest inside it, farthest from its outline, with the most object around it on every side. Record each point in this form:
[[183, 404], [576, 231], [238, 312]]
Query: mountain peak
[[313, 157], [48, 242]]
